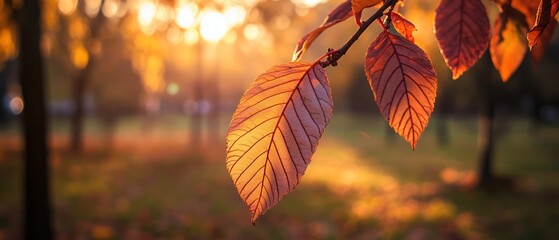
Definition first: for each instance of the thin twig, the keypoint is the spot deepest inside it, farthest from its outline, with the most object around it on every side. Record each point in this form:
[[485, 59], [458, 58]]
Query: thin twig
[[337, 54]]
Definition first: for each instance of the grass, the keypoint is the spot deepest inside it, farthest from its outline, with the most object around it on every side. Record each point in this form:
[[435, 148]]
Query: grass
[[363, 183]]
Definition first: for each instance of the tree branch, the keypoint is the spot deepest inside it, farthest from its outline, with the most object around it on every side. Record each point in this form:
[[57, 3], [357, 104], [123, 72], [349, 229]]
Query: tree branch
[[334, 56]]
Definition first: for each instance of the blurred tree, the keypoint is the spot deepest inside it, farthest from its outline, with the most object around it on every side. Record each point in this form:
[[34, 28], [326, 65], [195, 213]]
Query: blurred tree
[[358, 94], [37, 216], [485, 76], [81, 79]]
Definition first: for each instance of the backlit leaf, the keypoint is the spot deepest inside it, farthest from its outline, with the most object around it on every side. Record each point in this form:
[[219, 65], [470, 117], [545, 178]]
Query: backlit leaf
[[403, 26], [274, 132], [545, 15], [463, 31], [528, 10], [508, 43], [357, 7], [403, 82], [339, 14], [539, 50]]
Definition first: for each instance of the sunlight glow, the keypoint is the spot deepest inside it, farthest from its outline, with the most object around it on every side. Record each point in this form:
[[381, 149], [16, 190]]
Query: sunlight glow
[[163, 15], [308, 3], [186, 15], [235, 15], [213, 25], [67, 7], [146, 13]]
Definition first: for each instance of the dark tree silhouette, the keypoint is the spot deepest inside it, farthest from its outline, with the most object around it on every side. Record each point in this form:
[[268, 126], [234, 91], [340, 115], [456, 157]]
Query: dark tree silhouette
[[486, 77], [80, 86], [37, 213]]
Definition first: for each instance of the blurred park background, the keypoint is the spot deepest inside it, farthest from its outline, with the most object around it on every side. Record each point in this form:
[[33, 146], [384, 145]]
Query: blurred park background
[[139, 94]]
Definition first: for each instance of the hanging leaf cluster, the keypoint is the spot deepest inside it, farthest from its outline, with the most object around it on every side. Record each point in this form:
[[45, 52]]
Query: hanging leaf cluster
[[278, 123]]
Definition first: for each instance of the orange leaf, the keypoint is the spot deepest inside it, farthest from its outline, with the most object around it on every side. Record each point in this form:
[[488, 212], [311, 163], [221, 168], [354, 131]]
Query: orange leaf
[[357, 7], [275, 131], [545, 15], [508, 43], [463, 30], [403, 82], [529, 11], [339, 14], [403, 26]]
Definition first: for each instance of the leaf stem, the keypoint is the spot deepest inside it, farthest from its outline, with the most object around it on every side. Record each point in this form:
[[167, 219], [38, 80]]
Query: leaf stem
[[337, 54]]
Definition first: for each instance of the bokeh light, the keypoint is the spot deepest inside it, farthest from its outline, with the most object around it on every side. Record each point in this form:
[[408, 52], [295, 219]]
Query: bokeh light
[[213, 25], [16, 105], [92, 7], [67, 7], [186, 15], [235, 15], [172, 89], [114, 8], [191, 37], [146, 13], [174, 35], [80, 56], [252, 31], [308, 3]]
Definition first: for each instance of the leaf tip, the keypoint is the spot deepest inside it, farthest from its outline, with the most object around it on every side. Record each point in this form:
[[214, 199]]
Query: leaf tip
[[456, 74], [505, 76], [413, 144], [358, 19]]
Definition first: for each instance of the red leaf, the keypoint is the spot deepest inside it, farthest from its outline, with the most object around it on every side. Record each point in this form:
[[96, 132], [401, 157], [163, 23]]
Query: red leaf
[[275, 131], [508, 43], [463, 30], [545, 15], [339, 14], [403, 26], [357, 7], [539, 50], [403, 82]]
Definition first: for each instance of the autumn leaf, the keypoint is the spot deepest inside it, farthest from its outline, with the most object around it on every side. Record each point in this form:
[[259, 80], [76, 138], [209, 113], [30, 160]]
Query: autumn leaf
[[545, 15], [357, 7], [403, 26], [339, 14], [274, 132], [529, 10], [403, 82], [463, 31], [539, 50], [508, 43]]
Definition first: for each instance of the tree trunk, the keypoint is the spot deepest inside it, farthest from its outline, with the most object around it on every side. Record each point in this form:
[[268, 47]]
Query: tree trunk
[[487, 79], [4, 73], [80, 86], [36, 202], [80, 83], [196, 120], [486, 139]]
